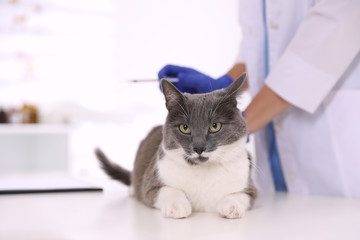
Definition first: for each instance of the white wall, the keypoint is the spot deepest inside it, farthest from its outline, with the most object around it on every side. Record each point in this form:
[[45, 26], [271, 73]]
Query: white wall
[[74, 58], [76, 50]]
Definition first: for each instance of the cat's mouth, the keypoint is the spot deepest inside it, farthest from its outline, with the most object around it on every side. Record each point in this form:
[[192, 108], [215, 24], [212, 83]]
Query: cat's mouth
[[196, 160]]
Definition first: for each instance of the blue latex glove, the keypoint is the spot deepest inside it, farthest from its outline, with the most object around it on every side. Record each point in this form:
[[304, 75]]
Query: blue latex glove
[[192, 81]]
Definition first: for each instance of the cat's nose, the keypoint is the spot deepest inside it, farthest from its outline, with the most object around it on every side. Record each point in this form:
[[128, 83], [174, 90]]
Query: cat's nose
[[199, 150]]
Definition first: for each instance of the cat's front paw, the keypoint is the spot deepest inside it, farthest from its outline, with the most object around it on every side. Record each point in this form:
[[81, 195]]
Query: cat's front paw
[[173, 203], [233, 206], [176, 209]]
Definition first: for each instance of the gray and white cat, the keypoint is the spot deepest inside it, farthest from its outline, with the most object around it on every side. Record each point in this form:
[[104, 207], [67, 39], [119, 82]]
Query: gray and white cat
[[197, 161]]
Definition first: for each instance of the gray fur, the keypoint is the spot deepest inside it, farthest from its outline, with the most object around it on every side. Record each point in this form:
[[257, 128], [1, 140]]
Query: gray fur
[[114, 171], [197, 111], [144, 177]]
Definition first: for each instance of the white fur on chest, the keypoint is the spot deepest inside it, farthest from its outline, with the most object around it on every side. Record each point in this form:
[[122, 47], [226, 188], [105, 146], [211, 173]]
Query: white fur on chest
[[206, 184]]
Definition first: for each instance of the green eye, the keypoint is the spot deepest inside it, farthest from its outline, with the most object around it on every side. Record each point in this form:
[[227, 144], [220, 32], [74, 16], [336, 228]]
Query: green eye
[[215, 127], [184, 128]]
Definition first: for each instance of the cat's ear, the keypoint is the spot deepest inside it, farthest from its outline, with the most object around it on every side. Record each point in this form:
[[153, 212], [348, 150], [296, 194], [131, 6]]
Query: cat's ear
[[234, 89], [173, 96]]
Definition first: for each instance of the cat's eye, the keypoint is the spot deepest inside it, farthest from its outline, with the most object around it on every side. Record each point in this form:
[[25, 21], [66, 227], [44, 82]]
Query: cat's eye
[[184, 128], [215, 127]]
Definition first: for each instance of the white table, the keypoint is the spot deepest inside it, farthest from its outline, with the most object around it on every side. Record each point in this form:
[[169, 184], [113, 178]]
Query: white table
[[114, 215]]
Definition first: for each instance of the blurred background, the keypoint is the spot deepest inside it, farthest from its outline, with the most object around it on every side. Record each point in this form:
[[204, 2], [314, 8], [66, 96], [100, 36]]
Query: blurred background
[[65, 67]]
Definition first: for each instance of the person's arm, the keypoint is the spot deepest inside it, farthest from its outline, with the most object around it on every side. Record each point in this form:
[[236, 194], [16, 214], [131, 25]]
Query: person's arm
[[310, 66], [263, 108], [236, 71], [323, 47]]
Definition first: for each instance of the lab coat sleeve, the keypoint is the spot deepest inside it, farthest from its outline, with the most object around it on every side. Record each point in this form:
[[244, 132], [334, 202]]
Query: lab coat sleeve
[[326, 42]]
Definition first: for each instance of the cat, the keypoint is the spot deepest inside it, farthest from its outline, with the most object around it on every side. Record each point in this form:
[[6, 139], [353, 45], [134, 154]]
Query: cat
[[197, 161]]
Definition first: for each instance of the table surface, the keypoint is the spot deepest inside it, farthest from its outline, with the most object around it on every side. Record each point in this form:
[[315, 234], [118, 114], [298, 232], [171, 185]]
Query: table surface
[[112, 214]]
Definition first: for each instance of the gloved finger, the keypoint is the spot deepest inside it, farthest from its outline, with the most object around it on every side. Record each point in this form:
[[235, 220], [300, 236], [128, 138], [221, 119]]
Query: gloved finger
[[169, 71], [191, 80], [163, 71], [198, 81], [185, 79], [172, 71]]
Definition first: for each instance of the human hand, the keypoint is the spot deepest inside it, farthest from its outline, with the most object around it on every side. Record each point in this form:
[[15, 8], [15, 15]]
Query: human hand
[[192, 81]]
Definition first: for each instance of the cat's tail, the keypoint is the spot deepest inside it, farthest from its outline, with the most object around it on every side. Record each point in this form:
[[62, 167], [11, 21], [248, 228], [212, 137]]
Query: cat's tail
[[112, 169]]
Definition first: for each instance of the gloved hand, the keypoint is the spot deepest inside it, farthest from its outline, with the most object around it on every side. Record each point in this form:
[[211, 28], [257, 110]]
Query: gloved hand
[[192, 81]]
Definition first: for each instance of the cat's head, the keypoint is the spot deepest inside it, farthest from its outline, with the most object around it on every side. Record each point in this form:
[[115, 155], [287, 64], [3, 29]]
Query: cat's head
[[202, 128]]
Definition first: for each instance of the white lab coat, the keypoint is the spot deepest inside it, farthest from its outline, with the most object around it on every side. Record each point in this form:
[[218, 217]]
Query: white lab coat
[[314, 64]]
